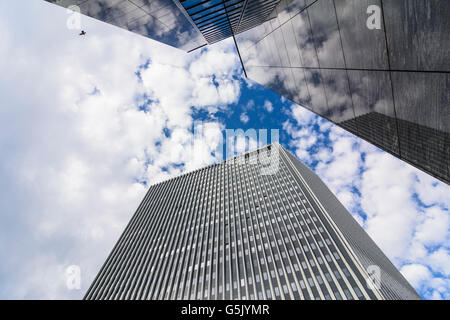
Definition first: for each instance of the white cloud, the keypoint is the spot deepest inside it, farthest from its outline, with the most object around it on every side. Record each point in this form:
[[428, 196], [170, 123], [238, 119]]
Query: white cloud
[[432, 192], [416, 274], [433, 230], [73, 163], [439, 261], [388, 203], [405, 211], [324, 155], [421, 278], [268, 106]]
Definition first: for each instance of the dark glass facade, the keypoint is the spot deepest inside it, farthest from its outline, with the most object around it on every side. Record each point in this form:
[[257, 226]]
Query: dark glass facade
[[161, 20], [235, 231], [220, 19], [424, 147], [322, 55]]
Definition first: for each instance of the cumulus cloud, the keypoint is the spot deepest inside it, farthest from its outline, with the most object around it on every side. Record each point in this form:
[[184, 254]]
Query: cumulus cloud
[[417, 274], [434, 227], [88, 123], [301, 115]]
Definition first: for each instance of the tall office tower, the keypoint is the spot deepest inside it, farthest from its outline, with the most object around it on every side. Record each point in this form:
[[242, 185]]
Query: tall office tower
[[341, 59], [378, 68], [160, 20], [257, 226]]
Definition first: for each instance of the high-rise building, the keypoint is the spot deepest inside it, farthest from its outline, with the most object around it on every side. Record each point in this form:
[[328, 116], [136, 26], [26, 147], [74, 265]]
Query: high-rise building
[[160, 20], [340, 59], [425, 144], [257, 226], [347, 60]]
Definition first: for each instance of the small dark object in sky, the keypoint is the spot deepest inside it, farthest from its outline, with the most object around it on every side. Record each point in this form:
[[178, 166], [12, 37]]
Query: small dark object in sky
[[82, 33]]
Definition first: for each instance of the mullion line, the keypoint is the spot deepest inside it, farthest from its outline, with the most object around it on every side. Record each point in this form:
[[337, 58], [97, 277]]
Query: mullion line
[[346, 69]]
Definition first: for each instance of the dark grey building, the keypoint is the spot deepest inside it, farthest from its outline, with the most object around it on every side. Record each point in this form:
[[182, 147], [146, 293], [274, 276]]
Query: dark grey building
[[425, 144], [324, 56], [257, 226], [341, 59], [160, 20]]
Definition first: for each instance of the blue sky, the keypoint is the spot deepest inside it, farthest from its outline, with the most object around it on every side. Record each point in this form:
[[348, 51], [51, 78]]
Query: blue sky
[[89, 122]]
